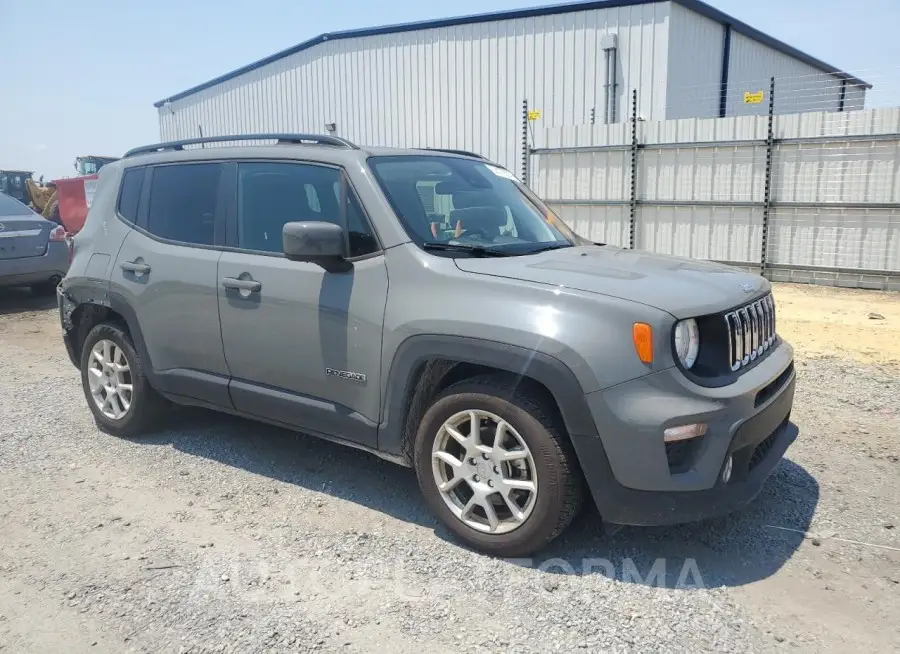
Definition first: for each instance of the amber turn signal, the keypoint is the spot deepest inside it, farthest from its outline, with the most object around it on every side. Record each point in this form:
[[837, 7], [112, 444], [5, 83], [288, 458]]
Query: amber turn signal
[[643, 341]]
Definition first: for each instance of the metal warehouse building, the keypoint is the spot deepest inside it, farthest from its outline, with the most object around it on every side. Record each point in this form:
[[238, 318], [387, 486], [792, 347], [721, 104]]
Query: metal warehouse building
[[461, 82]]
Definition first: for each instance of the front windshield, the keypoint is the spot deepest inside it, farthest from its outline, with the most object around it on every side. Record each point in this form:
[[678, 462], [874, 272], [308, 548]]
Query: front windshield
[[451, 201], [86, 166]]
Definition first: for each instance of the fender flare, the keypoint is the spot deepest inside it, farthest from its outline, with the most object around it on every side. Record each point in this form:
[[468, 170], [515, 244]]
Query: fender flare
[[95, 293], [417, 350]]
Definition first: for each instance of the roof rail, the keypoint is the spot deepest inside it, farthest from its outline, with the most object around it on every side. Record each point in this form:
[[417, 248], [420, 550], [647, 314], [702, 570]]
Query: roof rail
[[465, 153], [296, 139]]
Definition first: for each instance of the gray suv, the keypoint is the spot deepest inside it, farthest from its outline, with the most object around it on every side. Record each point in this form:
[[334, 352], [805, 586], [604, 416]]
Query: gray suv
[[425, 306]]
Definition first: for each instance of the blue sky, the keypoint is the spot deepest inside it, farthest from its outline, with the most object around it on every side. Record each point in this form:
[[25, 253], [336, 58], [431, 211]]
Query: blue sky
[[80, 77]]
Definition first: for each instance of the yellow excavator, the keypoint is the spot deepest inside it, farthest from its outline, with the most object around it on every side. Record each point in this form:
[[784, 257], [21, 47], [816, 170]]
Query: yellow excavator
[[42, 196]]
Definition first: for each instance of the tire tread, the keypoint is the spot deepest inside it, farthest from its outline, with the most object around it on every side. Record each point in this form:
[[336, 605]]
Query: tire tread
[[148, 407], [510, 390]]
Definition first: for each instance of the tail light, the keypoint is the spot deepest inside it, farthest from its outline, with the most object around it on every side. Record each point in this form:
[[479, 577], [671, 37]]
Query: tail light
[[59, 235]]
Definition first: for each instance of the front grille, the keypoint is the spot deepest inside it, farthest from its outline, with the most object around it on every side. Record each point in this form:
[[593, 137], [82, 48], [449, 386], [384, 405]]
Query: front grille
[[751, 331]]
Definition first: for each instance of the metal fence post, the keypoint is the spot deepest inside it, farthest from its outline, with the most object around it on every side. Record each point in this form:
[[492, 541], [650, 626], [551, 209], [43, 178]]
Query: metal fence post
[[767, 200], [526, 151], [634, 153]]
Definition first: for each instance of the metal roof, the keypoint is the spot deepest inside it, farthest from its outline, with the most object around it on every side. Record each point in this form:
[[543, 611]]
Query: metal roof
[[584, 5]]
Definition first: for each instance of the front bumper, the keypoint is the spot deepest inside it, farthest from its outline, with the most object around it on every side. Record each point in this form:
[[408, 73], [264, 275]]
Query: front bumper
[[630, 471]]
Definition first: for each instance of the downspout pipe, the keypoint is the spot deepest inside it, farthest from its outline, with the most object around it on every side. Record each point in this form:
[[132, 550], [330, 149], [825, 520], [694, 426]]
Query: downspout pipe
[[609, 42], [726, 64]]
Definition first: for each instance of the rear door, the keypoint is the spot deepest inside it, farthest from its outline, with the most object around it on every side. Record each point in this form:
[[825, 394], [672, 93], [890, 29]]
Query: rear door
[[166, 271], [23, 233]]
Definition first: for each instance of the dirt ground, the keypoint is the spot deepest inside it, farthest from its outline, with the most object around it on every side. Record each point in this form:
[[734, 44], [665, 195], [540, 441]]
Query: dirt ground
[[218, 535], [859, 325]]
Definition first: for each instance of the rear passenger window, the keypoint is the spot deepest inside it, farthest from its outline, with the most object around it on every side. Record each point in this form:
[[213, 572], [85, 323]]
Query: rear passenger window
[[130, 195], [183, 202]]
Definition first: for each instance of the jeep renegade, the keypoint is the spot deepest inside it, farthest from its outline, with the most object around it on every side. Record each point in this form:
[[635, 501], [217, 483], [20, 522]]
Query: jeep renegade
[[426, 306]]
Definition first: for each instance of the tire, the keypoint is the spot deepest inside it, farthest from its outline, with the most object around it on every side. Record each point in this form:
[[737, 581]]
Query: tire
[[558, 494], [48, 287], [145, 406]]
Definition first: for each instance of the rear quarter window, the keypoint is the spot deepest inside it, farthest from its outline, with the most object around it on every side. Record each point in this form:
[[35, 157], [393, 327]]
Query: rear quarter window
[[130, 194]]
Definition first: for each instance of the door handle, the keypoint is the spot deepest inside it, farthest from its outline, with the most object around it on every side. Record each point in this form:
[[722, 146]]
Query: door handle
[[135, 267], [246, 285]]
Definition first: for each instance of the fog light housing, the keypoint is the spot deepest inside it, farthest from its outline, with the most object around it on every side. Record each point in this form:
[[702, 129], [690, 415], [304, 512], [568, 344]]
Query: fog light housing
[[726, 473], [684, 432]]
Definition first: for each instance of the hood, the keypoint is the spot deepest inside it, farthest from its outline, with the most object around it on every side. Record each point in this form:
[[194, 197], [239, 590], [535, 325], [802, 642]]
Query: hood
[[682, 287]]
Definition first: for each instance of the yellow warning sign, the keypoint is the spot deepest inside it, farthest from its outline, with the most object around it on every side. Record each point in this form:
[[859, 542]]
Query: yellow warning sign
[[534, 115], [754, 97]]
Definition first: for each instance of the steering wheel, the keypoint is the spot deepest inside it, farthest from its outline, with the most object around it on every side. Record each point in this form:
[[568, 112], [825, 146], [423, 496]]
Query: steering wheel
[[477, 231]]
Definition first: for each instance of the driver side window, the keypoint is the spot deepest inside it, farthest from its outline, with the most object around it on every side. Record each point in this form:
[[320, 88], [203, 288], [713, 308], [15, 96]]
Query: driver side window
[[271, 194]]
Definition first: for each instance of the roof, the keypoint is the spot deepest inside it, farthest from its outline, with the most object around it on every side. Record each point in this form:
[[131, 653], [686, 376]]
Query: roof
[[289, 146], [584, 5]]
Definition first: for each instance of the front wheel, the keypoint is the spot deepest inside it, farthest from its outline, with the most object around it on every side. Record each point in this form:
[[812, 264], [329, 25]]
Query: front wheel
[[495, 467]]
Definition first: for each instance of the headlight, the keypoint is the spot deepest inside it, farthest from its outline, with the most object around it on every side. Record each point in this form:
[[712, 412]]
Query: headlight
[[687, 342]]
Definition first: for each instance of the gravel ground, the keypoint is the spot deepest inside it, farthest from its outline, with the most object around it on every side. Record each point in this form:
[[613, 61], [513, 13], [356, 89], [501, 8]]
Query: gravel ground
[[219, 535]]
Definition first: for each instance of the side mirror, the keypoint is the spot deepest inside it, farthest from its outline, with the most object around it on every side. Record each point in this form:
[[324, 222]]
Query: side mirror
[[316, 242]]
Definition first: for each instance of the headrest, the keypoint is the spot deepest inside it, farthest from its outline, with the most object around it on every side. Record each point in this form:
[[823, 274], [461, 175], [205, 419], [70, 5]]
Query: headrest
[[469, 199]]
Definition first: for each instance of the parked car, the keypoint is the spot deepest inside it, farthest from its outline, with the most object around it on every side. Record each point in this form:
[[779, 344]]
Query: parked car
[[425, 306], [33, 250]]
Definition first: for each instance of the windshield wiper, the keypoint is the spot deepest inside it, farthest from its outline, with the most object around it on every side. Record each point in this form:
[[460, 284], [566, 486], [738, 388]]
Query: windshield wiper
[[547, 246], [474, 250]]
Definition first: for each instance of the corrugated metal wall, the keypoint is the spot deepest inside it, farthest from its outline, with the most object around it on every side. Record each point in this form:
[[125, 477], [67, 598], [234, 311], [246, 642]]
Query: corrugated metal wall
[[701, 184], [462, 86], [696, 46], [695, 65], [798, 86], [459, 86]]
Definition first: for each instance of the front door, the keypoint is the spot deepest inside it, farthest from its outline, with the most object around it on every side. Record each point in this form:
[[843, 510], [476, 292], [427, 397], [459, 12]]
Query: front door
[[303, 345], [166, 270]]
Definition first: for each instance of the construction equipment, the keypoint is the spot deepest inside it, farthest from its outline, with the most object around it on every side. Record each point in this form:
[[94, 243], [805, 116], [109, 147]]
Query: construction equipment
[[65, 201], [91, 164], [14, 183]]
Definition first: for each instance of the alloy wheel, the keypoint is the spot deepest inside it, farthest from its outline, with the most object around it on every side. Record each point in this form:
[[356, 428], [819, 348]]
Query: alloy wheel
[[109, 378], [484, 471]]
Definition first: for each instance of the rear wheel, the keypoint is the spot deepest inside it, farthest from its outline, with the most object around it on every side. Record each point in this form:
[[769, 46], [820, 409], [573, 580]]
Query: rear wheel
[[115, 385], [496, 468]]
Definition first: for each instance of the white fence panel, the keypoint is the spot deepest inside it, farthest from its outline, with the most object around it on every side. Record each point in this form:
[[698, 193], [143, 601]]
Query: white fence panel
[[833, 237], [608, 225], [702, 174], [701, 190], [732, 234]]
